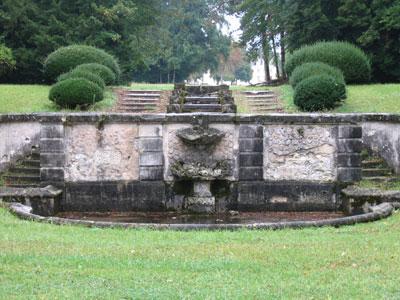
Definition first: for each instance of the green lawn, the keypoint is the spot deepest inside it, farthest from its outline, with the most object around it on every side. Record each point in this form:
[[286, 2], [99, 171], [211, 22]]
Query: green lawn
[[42, 261], [34, 98], [374, 98]]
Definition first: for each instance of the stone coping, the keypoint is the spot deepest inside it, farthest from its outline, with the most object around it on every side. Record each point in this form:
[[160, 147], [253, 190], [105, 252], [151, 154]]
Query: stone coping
[[276, 118], [373, 194], [375, 213], [11, 192]]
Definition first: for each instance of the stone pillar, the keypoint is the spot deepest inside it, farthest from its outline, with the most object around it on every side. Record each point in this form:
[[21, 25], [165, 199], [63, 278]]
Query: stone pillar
[[349, 150], [251, 152], [151, 158], [52, 155]]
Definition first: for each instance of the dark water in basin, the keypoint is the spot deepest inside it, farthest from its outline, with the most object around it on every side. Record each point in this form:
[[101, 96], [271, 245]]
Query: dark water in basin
[[175, 218]]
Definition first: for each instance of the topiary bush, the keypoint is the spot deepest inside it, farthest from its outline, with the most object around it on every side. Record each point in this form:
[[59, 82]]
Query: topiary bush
[[83, 74], [313, 69], [102, 71], [319, 92], [352, 61], [72, 92], [65, 59]]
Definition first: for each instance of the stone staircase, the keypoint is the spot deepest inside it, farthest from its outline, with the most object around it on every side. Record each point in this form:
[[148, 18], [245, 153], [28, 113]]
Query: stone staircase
[[192, 99], [26, 173], [132, 101], [262, 102], [376, 169]]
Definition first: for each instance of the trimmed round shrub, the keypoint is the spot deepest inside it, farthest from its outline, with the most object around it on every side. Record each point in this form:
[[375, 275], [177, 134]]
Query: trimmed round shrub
[[65, 59], [314, 69], [83, 74], [102, 71], [319, 92], [72, 92], [351, 60]]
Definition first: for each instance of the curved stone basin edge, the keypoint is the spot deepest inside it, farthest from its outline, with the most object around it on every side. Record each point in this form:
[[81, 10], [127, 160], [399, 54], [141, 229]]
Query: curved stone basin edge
[[375, 213]]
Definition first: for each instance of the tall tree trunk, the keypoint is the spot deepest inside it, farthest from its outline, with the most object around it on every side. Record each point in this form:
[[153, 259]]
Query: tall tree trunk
[[174, 76], [283, 54], [265, 50], [276, 60]]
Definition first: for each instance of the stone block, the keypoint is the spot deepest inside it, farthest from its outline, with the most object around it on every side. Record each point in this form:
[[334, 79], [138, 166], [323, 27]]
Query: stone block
[[248, 131], [51, 131], [51, 145], [349, 160], [350, 132], [52, 174], [349, 175], [251, 145], [350, 146], [150, 131], [51, 160], [151, 173], [251, 160], [254, 173], [151, 144], [151, 159]]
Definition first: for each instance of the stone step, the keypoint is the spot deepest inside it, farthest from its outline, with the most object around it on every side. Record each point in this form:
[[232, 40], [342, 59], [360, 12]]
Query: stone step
[[31, 163], [139, 104], [22, 178], [23, 185], [24, 170], [266, 105], [135, 109], [142, 91], [141, 98], [382, 179], [375, 172], [202, 107], [372, 163], [141, 95], [202, 101], [258, 92], [260, 97], [191, 98]]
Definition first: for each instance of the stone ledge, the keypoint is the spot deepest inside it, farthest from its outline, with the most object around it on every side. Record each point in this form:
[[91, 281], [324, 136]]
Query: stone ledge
[[375, 213]]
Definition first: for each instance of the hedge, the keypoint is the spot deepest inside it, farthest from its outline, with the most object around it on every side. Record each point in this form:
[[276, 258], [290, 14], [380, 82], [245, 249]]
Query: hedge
[[65, 59], [351, 60], [72, 92], [307, 70], [83, 74], [319, 92], [102, 71]]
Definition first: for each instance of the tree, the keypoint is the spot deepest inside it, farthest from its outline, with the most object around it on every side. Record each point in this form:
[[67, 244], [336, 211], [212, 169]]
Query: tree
[[33, 29], [244, 73], [7, 62]]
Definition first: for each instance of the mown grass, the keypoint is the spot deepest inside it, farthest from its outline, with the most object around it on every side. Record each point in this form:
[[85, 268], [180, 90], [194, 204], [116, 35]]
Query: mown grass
[[34, 98], [42, 261], [374, 98]]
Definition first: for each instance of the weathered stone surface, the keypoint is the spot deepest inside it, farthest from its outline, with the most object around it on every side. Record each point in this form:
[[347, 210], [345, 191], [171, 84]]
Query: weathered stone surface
[[52, 131], [349, 175], [349, 160], [16, 139], [150, 130], [350, 146], [52, 174], [251, 173], [150, 144], [383, 139], [284, 196], [250, 131], [52, 160], [115, 196], [50, 145], [299, 153], [153, 173], [149, 159], [350, 132], [251, 159], [200, 136], [250, 145], [99, 154]]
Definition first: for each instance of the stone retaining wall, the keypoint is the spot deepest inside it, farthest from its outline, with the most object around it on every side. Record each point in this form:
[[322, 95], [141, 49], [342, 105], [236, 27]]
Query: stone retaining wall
[[122, 161]]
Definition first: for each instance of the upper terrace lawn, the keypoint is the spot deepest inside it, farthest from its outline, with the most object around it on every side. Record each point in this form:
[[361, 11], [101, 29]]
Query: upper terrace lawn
[[361, 98], [374, 98], [43, 261], [34, 98]]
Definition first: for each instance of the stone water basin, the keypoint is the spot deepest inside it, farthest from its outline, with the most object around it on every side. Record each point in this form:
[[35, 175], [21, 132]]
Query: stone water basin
[[226, 218]]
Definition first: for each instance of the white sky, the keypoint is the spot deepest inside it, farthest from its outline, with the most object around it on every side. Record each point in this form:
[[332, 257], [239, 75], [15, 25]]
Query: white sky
[[233, 27]]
